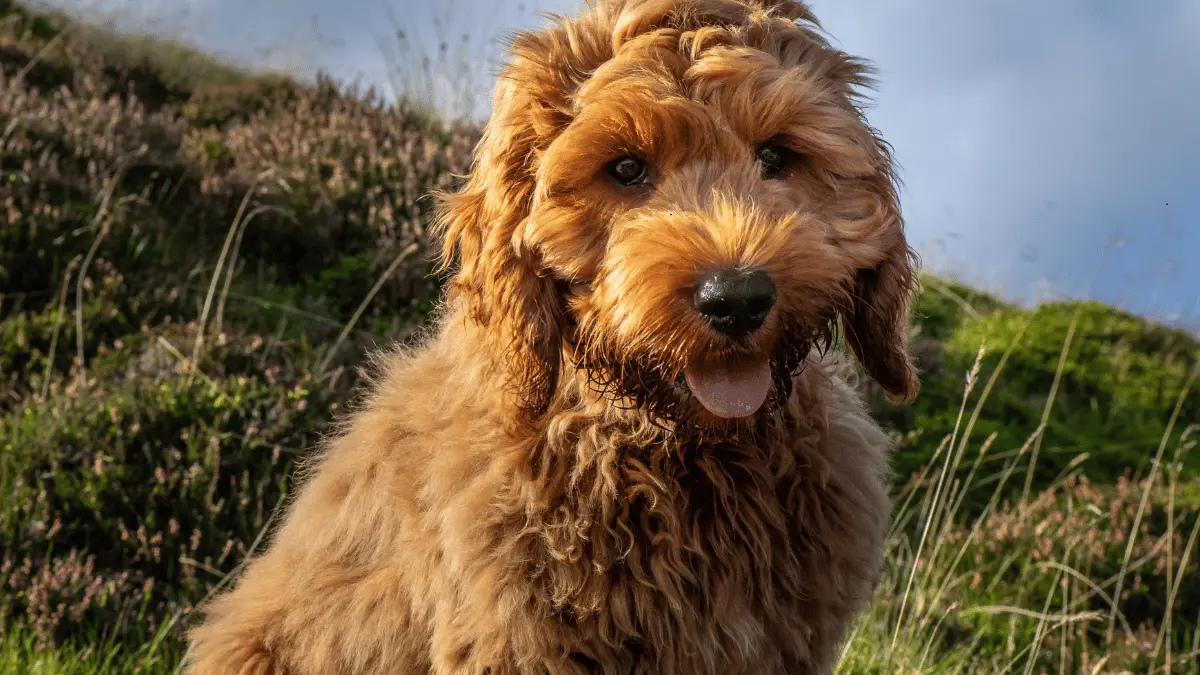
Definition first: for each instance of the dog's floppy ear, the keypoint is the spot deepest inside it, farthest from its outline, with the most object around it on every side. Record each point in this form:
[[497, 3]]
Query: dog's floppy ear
[[499, 281], [877, 323]]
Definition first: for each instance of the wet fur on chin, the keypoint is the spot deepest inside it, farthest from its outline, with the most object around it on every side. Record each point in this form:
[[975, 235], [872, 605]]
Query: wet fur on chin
[[656, 387], [531, 489]]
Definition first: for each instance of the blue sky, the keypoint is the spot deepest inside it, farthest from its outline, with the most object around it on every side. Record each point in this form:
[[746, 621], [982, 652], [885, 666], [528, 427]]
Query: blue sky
[[1048, 149]]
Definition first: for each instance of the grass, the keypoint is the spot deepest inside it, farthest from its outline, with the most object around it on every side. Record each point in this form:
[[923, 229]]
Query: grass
[[24, 653], [1029, 586], [195, 260]]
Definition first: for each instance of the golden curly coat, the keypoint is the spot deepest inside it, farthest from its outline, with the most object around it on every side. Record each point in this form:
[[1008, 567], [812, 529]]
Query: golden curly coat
[[583, 468]]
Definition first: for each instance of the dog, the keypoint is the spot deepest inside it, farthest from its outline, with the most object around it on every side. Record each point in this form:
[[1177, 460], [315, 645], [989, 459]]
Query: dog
[[627, 443]]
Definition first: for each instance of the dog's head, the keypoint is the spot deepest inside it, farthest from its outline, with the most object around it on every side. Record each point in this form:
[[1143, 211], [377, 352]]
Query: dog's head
[[681, 198]]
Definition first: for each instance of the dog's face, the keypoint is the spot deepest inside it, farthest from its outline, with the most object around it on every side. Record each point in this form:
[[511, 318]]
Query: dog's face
[[682, 198]]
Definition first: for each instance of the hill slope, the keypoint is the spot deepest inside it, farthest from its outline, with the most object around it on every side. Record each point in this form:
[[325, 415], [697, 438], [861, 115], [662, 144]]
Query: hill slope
[[193, 261]]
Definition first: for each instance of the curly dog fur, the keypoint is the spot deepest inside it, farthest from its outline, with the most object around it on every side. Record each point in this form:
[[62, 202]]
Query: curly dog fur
[[538, 487]]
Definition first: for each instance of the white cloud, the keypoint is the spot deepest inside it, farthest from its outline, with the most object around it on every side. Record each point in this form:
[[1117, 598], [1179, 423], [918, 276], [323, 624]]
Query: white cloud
[[1027, 126]]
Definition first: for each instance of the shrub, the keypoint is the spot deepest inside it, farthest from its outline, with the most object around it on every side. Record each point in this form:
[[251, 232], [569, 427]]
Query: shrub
[[141, 486]]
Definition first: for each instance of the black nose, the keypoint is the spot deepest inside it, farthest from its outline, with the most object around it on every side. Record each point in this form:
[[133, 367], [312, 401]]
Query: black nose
[[735, 302]]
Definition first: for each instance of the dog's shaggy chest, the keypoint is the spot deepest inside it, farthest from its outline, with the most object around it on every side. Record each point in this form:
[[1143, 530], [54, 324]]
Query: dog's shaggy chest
[[638, 552], [718, 551]]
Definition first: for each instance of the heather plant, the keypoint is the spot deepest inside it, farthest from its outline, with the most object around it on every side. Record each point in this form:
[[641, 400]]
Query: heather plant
[[181, 280], [1030, 588], [129, 492]]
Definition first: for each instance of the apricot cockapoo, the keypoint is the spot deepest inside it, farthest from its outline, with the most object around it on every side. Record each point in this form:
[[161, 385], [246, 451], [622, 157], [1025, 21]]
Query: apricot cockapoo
[[625, 445]]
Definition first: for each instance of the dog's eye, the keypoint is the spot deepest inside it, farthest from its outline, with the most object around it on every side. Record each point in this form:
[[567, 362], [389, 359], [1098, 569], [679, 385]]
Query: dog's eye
[[776, 160], [628, 170]]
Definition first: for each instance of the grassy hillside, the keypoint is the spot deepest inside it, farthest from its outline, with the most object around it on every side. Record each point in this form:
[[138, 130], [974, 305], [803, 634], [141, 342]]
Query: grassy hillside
[[194, 260]]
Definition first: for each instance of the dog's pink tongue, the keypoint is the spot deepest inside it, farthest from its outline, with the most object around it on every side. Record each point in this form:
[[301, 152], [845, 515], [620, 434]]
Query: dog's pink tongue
[[730, 389]]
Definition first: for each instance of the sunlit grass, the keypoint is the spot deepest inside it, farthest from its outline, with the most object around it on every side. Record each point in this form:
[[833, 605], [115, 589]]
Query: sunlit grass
[[1029, 586]]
